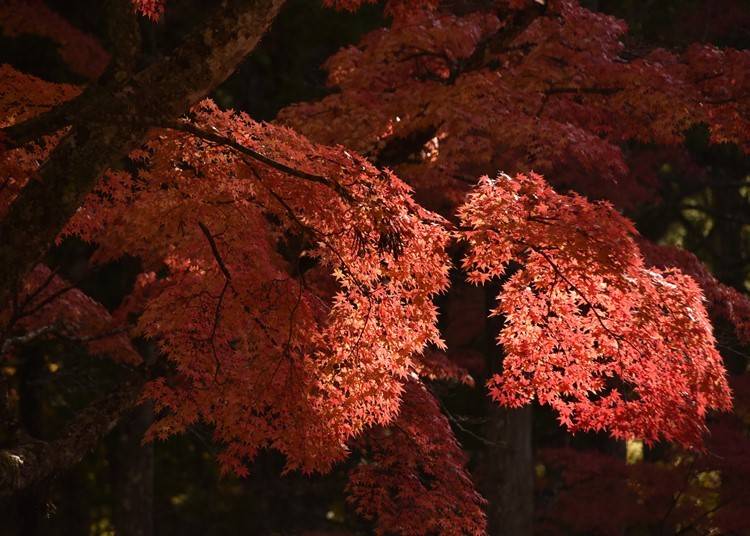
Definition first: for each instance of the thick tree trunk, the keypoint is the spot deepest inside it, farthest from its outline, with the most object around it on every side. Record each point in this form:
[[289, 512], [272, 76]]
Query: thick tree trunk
[[132, 475], [503, 471], [506, 467], [112, 121], [726, 234], [505, 474]]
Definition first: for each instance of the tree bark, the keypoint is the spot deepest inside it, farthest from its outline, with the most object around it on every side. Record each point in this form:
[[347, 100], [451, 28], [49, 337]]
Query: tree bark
[[31, 462], [725, 238], [506, 476], [132, 475], [506, 466], [111, 123], [503, 470]]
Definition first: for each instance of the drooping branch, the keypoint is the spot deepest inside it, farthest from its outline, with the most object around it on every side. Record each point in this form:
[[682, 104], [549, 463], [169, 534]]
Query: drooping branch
[[106, 129], [33, 461], [218, 139], [215, 251]]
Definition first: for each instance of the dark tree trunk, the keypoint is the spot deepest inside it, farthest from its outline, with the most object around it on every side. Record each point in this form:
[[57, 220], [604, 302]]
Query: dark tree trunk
[[725, 238], [506, 467], [505, 471], [108, 122], [132, 475], [32, 502]]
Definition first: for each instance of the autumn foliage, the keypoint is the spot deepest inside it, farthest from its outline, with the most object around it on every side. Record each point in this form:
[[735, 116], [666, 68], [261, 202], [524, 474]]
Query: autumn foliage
[[290, 270], [589, 330]]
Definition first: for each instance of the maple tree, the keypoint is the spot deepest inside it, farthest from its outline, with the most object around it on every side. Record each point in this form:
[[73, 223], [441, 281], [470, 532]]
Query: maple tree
[[291, 270], [443, 97]]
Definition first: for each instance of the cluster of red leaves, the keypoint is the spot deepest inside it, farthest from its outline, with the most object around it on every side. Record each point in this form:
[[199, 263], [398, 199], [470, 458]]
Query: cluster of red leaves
[[22, 97], [561, 97], [411, 478], [81, 52], [589, 330], [724, 302], [269, 350], [153, 9], [595, 493], [304, 299]]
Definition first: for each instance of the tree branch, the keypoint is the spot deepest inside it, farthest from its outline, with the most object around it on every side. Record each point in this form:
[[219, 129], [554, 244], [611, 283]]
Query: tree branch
[[33, 461], [218, 139], [125, 42], [124, 35], [502, 41], [114, 123], [215, 251]]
